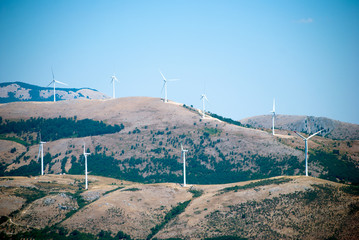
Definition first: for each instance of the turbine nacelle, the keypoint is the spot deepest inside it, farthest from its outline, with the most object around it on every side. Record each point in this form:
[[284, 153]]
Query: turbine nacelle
[[86, 153], [54, 82], [114, 78], [304, 139], [273, 116], [165, 80], [183, 150], [203, 98], [306, 147]]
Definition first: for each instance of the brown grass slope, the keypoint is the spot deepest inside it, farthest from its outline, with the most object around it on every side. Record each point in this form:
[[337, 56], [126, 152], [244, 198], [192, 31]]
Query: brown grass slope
[[332, 128], [277, 208], [226, 142], [303, 208]]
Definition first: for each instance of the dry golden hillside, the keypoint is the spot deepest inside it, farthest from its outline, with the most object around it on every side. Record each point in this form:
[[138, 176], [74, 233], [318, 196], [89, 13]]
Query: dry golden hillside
[[275, 208]]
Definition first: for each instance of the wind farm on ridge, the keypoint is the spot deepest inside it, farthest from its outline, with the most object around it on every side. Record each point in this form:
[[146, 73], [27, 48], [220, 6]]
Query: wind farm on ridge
[[203, 98], [165, 142]]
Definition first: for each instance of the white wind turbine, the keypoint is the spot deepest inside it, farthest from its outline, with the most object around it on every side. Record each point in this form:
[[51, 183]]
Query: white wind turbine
[[306, 148], [41, 152], [113, 80], [183, 151], [54, 82], [203, 98], [85, 155], [273, 116], [165, 85]]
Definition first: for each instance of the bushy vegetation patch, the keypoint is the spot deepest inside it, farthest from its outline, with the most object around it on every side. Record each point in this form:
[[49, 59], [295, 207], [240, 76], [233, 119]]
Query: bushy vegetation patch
[[59, 233], [226, 238], [337, 168], [351, 189], [113, 190], [170, 215], [30, 194], [13, 139], [56, 128], [195, 192], [131, 189], [256, 184], [32, 169]]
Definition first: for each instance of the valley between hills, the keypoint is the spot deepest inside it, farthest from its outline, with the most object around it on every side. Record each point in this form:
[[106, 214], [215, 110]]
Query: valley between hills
[[244, 182]]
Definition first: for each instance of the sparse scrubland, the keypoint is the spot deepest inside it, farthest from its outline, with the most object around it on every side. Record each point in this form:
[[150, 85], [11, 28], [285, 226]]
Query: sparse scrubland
[[277, 208]]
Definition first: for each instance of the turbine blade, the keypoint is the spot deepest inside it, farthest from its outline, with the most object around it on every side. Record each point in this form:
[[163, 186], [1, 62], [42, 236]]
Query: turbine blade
[[299, 135], [60, 82], [38, 155], [114, 78], [51, 82], [314, 134], [181, 147], [273, 105], [163, 76], [53, 75]]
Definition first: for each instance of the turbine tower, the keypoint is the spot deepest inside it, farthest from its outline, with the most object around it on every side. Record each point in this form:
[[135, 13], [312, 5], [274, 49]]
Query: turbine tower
[[273, 116], [41, 153], [183, 151], [85, 155], [165, 85], [306, 148], [54, 82], [203, 98], [113, 80]]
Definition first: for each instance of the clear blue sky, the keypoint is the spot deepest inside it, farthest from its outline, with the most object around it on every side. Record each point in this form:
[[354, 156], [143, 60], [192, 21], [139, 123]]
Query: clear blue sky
[[243, 53]]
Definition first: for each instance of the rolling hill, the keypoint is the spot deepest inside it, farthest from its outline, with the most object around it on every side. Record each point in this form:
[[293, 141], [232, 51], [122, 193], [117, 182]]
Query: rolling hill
[[56, 207], [147, 149], [308, 124], [135, 174], [19, 91]]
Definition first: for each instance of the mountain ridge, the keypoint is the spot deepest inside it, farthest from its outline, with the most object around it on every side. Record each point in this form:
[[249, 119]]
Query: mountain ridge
[[20, 91], [333, 129]]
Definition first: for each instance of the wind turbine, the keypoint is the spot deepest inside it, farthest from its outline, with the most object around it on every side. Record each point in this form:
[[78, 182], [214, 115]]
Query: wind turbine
[[85, 155], [203, 98], [165, 85], [306, 148], [41, 151], [113, 80], [273, 116], [54, 82], [183, 151]]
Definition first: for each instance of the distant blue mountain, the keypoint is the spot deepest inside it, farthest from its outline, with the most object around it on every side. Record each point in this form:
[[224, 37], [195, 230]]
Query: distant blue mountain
[[19, 91]]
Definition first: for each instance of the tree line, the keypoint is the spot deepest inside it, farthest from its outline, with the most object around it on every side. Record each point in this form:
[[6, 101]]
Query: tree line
[[56, 128]]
